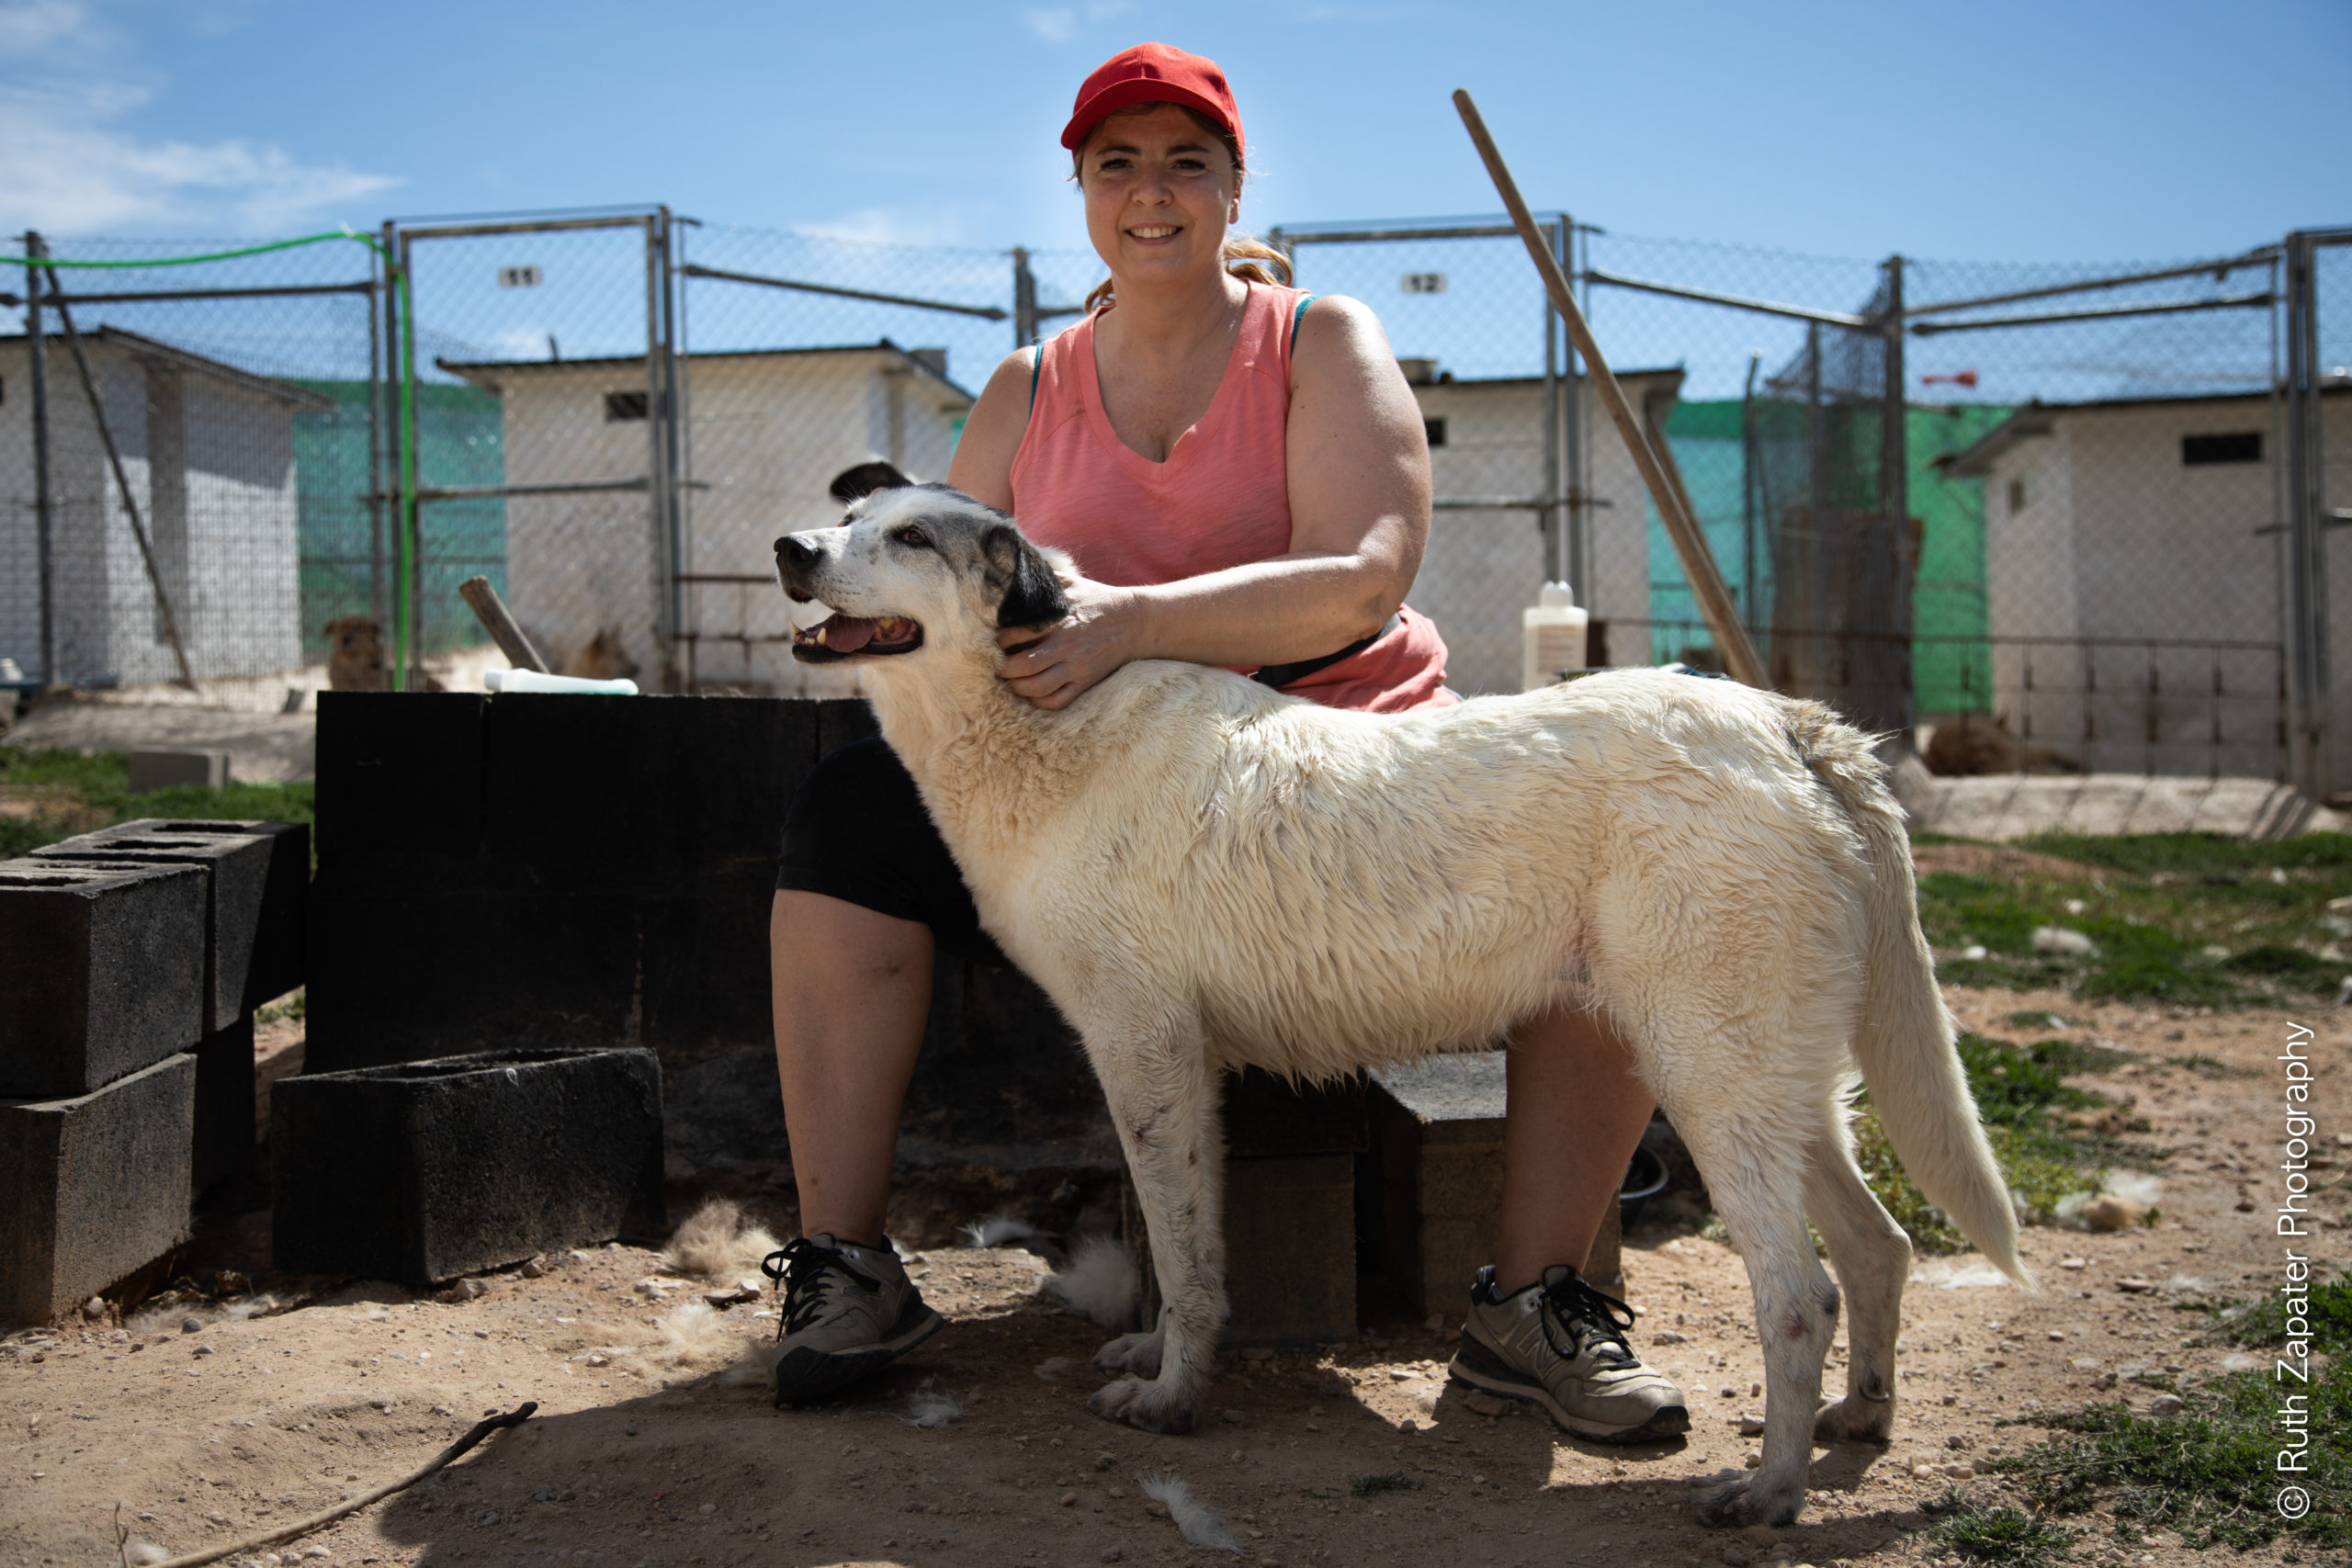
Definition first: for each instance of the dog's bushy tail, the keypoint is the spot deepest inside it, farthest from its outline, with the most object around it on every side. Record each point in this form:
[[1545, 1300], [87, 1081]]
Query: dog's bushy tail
[[1903, 1041]]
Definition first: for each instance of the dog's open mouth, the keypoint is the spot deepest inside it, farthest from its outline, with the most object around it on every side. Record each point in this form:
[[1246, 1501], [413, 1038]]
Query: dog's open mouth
[[842, 637]]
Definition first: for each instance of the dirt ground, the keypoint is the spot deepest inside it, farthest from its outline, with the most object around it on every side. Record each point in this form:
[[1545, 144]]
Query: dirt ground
[[660, 1448]]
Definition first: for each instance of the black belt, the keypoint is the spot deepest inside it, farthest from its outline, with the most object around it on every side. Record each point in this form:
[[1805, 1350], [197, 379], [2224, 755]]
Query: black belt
[[1287, 674]]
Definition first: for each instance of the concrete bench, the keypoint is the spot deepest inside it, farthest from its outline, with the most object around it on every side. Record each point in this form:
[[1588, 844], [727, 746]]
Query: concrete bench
[[1438, 1127]]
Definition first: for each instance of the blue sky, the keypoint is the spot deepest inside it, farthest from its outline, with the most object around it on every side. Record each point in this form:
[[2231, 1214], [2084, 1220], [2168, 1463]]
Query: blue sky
[[2056, 130]]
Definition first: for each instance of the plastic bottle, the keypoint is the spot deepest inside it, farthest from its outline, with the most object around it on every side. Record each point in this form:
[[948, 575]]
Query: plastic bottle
[[1553, 629]]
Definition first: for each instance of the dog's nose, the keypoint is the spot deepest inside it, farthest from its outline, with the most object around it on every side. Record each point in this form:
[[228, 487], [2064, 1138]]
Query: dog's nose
[[793, 550]]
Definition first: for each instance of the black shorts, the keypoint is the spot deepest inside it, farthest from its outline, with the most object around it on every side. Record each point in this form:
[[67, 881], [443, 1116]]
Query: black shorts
[[858, 831]]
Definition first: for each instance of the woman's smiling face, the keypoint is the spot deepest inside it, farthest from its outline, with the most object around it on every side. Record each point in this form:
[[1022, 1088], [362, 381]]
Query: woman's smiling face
[[1159, 192]]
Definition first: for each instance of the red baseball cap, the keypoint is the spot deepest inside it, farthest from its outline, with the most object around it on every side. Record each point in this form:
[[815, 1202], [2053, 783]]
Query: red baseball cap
[[1152, 74]]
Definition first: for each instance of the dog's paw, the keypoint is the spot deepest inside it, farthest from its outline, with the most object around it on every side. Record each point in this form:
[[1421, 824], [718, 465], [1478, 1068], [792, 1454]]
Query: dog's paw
[[1738, 1503], [1855, 1420], [1144, 1404], [1137, 1353]]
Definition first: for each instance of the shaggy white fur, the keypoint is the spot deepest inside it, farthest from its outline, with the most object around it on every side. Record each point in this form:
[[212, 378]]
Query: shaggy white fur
[[1001, 1230], [1204, 873], [1195, 1520], [1100, 1283], [716, 1243], [928, 1408]]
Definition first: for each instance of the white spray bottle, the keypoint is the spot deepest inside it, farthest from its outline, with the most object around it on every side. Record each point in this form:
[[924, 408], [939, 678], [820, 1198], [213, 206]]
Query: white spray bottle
[[1552, 633]]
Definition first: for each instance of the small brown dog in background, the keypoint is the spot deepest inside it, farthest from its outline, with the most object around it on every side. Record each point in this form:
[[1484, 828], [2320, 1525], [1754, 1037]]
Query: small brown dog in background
[[356, 655]]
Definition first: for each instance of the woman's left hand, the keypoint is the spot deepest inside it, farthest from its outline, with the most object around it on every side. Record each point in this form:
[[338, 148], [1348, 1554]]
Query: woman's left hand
[[1103, 630]]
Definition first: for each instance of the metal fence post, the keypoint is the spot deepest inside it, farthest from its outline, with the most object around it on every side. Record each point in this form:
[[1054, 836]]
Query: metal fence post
[[1549, 519], [1576, 564], [1894, 494], [1024, 301], [2306, 524], [44, 505], [657, 399]]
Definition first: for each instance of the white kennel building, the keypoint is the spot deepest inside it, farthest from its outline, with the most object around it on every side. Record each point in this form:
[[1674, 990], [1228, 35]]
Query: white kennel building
[[2116, 532], [208, 452], [1484, 566], [766, 431]]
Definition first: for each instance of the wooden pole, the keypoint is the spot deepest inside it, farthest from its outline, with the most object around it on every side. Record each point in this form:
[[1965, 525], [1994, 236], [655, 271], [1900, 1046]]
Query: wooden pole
[[499, 621], [1689, 544]]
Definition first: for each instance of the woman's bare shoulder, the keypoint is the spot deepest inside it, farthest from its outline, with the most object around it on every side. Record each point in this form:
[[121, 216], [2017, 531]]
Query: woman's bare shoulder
[[1339, 334], [982, 467]]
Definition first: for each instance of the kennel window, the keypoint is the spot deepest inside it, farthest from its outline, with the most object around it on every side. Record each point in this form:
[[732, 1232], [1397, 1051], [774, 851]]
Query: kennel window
[[620, 406], [1435, 428], [2240, 446]]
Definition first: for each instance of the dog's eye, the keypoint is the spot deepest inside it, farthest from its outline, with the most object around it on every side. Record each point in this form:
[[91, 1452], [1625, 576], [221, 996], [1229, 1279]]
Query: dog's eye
[[912, 537]]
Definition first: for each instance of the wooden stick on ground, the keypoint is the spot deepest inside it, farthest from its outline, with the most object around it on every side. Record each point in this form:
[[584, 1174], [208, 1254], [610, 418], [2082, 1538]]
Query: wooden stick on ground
[[481, 1429], [499, 621], [1689, 544]]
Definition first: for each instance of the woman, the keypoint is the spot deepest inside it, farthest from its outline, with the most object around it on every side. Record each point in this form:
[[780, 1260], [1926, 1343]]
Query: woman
[[1240, 473]]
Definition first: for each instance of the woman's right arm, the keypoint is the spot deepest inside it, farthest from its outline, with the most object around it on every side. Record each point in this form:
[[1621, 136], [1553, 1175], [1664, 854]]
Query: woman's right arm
[[983, 467]]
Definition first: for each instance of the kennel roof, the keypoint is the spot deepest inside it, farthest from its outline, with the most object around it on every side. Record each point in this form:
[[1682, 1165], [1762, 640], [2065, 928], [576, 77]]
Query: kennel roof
[[929, 362]]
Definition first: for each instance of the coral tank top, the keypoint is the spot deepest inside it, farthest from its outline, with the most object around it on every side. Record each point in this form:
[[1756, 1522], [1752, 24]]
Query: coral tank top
[[1221, 499]]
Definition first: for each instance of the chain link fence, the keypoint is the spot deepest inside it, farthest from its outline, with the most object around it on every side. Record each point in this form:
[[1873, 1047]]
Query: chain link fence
[[2060, 517]]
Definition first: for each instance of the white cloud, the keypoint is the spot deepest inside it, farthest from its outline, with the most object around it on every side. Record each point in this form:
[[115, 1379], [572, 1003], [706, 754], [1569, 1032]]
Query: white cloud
[[27, 28], [1055, 25], [891, 226], [75, 168]]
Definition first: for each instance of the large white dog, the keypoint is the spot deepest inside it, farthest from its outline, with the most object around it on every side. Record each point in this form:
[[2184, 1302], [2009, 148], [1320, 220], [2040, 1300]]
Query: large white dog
[[1204, 873]]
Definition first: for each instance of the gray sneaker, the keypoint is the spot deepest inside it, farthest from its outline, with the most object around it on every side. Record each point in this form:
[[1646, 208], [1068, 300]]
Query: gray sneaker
[[1561, 1344], [847, 1311]]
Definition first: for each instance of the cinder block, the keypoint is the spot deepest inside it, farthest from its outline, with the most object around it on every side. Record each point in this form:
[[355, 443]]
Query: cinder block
[[1266, 1116], [399, 784], [1290, 1247], [93, 1188], [224, 1103], [161, 770], [105, 973], [643, 787], [257, 876], [427, 1170], [1438, 1125]]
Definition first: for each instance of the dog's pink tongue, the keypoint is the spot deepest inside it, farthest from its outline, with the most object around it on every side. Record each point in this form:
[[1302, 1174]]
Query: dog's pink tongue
[[847, 635]]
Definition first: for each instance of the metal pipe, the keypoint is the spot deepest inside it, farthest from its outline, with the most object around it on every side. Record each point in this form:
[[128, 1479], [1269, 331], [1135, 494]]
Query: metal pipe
[[985, 312], [44, 505], [1350, 236], [632, 219], [146, 295], [2096, 313], [2261, 257], [1548, 521], [1749, 479], [1698, 561], [658, 471], [377, 480], [122, 483], [1024, 301], [1894, 497], [1577, 566], [1737, 301], [410, 542]]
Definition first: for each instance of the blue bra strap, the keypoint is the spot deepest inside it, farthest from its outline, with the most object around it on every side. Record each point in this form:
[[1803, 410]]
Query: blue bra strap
[[1297, 316], [1036, 367]]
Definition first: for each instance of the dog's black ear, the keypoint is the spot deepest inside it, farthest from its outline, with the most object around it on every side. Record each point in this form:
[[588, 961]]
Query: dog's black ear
[[1033, 595], [865, 479]]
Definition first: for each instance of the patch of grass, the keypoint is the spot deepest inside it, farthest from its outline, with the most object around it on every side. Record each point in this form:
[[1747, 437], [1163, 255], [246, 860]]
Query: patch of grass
[[2198, 854], [2262, 1320], [2191, 919], [1372, 1485], [2004, 1537], [295, 1005], [67, 792], [2208, 1471], [2211, 1067]]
